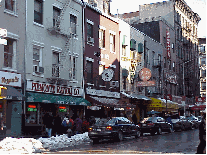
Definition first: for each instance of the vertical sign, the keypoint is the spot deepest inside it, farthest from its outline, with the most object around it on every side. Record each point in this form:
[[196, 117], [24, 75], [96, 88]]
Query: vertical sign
[[168, 42]]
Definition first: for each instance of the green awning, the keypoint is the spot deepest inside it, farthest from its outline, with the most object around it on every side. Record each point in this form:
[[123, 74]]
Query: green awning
[[58, 99]]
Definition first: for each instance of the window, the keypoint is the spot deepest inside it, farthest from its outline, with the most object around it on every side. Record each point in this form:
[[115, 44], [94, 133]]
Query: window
[[37, 60], [32, 114], [101, 69], [38, 11], [89, 67], [164, 62], [101, 38], [56, 14], [124, 50], [10, 5], [203, 86], [174, 66], [169, 64], [73, 21], [89, 30], [153, 57], [178, 34], [8, 52], [112, 43], [72, 69], [55, 65]]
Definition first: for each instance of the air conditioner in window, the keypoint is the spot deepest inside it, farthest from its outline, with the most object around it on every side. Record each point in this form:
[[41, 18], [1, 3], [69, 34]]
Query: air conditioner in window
[[90, 40], [38, 69], [114, 83]]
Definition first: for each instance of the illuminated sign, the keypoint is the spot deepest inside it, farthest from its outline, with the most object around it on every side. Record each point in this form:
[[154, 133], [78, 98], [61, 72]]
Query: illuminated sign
[[62, 109], [31, 108], [168, 43], [53, 89]]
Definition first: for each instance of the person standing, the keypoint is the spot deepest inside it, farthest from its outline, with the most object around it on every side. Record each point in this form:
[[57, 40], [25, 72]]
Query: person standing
[[78, 123], [57, 125], [134, 119], [202, 136], [48, 122]]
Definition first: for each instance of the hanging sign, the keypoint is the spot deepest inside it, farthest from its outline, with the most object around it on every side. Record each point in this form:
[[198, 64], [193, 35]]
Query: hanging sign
[[31, 108], [145, 75], [168, 43]]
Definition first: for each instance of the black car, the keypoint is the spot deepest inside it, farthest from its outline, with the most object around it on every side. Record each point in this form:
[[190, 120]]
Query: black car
[[195, 121], [155, 124], [181, 123], [114, 128]]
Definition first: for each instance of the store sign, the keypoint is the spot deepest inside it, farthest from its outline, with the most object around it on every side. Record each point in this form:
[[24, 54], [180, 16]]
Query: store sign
[[53, 89], [200, 99], [102, 93], [146, 83], [171, 78], [145, 75], [10, 79], [168, 43]]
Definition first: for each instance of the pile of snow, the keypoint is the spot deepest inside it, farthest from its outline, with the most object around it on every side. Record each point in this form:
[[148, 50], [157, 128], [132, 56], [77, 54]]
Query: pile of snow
[[63, 141], [30, 145], [20, 145]]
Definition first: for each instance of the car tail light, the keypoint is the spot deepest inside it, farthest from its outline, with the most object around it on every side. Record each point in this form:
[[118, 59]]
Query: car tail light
[[150, 124], [108, 128], [139, 125], [90, 129]]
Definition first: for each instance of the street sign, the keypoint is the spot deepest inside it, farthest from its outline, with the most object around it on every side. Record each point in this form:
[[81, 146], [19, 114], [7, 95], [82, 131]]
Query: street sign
[[3, 41], [3, 32]]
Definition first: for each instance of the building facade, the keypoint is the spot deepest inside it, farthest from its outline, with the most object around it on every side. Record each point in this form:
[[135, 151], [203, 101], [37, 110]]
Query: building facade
[[12, 66], [53, 62], [101, 62], [202, 64]]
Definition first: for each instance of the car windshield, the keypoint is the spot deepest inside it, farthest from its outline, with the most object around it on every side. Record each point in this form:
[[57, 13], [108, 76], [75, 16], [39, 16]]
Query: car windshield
[[111, 121], [175, 117], [148, 119], [101, 121]]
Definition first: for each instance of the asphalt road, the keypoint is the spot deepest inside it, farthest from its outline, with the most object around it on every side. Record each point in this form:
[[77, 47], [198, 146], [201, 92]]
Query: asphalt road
[[177, 142]]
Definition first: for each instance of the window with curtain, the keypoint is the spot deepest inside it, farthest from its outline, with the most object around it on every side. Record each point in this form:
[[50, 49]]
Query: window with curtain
[[56, 15], [55, 66], [112, 43], [10, 5], [101, 38]]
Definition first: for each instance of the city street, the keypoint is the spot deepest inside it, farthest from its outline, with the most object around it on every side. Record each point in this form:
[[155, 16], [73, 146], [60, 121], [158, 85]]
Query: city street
[[178, 142]]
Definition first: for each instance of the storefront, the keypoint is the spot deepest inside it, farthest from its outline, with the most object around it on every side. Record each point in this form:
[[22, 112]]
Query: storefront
[[11, 104], [156, 105], [42, 98]]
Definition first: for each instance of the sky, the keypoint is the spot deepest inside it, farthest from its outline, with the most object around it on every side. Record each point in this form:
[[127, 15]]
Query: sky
[[198, 6]]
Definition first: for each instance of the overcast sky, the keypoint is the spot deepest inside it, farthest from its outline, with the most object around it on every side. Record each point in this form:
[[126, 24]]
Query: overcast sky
[[198, 6]]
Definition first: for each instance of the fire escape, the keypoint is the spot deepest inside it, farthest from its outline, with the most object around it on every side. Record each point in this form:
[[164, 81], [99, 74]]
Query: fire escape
[[58, 29]]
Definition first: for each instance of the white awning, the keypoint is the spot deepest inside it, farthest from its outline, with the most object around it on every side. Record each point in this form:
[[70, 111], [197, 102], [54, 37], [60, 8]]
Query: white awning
[[139, 97]]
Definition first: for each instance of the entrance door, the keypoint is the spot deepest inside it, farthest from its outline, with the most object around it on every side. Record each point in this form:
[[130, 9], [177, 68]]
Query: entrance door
[[16, 121]]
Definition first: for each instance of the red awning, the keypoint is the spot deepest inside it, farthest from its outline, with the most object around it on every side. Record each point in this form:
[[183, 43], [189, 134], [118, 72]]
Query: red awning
[[200, 107]]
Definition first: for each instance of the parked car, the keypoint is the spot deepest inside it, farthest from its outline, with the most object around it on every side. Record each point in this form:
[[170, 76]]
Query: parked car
[[155, 124], [194, 121], [181, 123], [113, 128]]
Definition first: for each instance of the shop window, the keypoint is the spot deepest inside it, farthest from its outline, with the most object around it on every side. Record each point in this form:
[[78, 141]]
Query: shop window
[[31, 114]]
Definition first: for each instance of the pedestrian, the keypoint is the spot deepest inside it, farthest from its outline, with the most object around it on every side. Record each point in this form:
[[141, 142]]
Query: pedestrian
[[57, 125], [85, 125], [92, 120], [169, 120], [78, 123], [65, 124], [134, 119], [48, 122], [202, 136]]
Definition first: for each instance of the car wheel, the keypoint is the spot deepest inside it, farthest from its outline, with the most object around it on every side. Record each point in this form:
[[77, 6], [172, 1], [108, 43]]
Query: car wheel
[[141, 133], [120, 136], [170, 130], [96, 140], [182, 127], [137, 134], [159, 131]]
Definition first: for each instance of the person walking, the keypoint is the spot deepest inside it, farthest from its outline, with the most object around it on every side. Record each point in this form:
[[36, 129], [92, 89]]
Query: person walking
[[65, 124], [57, 125], [202, 136], [48, 122], [85, 125], [78, 123], [134, 119]]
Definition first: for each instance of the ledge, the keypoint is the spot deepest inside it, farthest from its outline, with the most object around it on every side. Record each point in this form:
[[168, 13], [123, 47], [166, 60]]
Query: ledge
[[37, 24], [10, 13]]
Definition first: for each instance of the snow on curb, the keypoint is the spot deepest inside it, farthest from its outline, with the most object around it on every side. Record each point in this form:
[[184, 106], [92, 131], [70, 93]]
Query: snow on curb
[[11, 145], [20, 145], [63, 141]]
